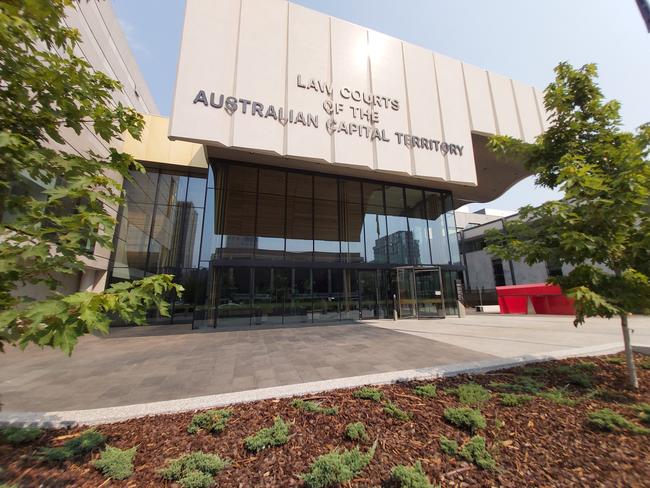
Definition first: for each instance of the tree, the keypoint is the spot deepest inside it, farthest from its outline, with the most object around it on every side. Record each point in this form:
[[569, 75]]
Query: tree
[[601, 226], [53, 203]]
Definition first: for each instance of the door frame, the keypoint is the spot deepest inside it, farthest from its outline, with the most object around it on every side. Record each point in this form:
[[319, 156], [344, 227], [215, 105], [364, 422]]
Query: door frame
[[413, 270]]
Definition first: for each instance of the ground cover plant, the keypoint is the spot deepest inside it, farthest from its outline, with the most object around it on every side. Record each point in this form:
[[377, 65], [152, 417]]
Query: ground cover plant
[[470, 394], [425, 391], [210, 421], [476, 452], [82, 444], [410, 476], [314, 407], [356, 431], [465, 418], [19, 435], [541, 443], [367, 393], [276, 435], [394, 411], [337, 467], [514, 399], [195, 470], [610, 421], [116, 463]]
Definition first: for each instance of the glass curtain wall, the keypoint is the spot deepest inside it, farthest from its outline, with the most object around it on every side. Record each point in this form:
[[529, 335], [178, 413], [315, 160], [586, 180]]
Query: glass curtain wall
[[262, 246]]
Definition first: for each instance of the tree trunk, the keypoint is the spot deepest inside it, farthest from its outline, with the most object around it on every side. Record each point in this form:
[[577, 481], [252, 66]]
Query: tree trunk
[[631, 370]]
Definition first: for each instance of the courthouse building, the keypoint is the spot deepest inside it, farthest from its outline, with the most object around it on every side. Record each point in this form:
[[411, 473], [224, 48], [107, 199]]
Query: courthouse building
[[310, 170]]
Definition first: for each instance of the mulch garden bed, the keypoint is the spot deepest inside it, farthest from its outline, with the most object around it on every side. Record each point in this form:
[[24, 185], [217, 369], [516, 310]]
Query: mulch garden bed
[[541, 443]]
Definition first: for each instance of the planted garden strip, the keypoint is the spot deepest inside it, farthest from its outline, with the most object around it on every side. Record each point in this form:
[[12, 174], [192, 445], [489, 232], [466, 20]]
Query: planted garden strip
[[535, 436]]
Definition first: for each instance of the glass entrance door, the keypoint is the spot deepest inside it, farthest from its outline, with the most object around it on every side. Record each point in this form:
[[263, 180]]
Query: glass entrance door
[[428, 288], [406, 295], [419, 292]]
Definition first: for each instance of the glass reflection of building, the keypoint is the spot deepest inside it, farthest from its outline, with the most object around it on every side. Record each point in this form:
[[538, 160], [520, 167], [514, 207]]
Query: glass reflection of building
[[257, 245]]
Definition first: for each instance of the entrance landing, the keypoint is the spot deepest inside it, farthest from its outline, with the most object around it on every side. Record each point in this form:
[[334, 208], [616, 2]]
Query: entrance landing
[[149, 364]]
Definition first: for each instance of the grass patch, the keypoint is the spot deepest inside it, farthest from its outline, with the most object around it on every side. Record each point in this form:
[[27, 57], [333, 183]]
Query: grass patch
[[475, 451], [19, 435], [644, 412], [212, 421], [313, 407], [470, 394], [269, 436], [448, 446], [84, 443], [465, 418], [514, 399], [559, 396], [116, 463], [367, 393], [195, 470], [394, 411], [521, 384], [610, 421], [356, 431], [337, 467], [410, 476], [425, 391]]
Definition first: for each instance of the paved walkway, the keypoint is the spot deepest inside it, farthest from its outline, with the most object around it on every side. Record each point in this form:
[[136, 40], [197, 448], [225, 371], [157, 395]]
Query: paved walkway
[[155, 364]]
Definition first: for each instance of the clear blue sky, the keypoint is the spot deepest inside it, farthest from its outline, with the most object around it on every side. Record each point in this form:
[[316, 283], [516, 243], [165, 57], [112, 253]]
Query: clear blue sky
[[522, 39]]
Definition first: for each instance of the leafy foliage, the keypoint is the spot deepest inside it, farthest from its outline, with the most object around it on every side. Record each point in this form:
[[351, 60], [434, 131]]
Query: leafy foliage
[[54, 205], [367, 393], [210, 421], [195, 470], [644, 412], [601, 226], [470, 394], [337, 467], [465, 418], [475, 451], [425, 391], [276, 435], [356, 431], [313, 407], [410, 476], [448, 446], [394, 411], [19, 435], [116, 463], [84, 443], [610, 421], [514, 399]]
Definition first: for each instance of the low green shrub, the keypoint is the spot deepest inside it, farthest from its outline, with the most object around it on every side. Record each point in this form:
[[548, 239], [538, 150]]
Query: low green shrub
[[19, 435], [313, 407], [476, 452], [394, 411], [448, 446], [194, 470], [531, 371], [211, 421], [410, 476], [645, 364], [269, 436], [465, 418], [644, 412], [367, 393], [356, 431], [514, 399], [470, 394], [116, 463], [337, 467], [521, 384], [609, 421], [611, 396], [559, 396], [425, 391], [615, 360], [5, 485], [84, 443]]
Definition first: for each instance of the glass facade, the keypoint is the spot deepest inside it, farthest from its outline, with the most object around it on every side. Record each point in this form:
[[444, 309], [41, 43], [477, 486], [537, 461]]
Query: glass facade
[[263, 246]]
